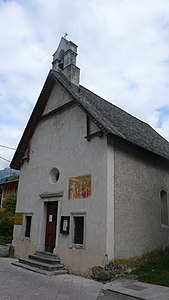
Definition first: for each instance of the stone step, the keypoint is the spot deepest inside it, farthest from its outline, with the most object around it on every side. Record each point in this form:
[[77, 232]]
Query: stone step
[[44, 258], [38, 270], [40, 264], [45, 253]]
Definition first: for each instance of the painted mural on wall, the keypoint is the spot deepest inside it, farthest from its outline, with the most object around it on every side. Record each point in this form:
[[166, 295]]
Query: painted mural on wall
[[80, 187]]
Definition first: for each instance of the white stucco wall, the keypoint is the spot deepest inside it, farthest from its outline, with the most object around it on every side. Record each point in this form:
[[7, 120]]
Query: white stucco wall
[[58, 97], [59, 142], [139, 178]]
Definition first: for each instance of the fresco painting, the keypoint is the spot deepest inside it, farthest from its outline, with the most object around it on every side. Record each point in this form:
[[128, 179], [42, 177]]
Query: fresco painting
[[80, 187]]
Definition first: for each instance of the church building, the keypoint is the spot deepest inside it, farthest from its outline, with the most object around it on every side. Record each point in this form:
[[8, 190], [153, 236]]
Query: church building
[[94, 180]]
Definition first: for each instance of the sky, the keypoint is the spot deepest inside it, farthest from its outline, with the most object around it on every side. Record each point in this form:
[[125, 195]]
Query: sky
[[123, 54]]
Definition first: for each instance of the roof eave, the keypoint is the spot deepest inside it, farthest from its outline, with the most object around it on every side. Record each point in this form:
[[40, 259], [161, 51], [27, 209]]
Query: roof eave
[[155, 154]]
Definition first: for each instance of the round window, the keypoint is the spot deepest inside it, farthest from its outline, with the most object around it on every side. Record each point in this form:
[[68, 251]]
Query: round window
[[54, 176]]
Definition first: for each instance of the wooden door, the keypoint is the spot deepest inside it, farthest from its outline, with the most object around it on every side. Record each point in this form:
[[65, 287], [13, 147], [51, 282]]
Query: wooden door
[[51, 226]]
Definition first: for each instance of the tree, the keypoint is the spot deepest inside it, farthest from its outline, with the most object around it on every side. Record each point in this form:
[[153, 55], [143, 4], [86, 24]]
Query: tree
[[9, 204], [7, 213]]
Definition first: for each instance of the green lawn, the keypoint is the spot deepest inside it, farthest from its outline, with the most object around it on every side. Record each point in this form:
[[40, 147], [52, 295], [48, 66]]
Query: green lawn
[[155, 271]]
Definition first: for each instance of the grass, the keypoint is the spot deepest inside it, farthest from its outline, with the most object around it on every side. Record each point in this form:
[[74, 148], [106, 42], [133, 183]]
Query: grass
[[154, 271]]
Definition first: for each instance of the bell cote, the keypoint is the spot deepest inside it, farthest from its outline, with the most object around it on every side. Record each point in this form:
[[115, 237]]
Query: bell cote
[[64, 60]]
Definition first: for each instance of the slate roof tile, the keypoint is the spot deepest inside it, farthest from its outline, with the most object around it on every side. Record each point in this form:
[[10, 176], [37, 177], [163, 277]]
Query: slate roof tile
[[118, 122]]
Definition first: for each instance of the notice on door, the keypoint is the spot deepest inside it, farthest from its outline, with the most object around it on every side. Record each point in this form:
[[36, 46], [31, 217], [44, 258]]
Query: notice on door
[[50, 218]]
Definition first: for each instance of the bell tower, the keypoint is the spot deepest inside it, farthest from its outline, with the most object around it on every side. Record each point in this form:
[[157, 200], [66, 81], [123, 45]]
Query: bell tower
[[64, 60]]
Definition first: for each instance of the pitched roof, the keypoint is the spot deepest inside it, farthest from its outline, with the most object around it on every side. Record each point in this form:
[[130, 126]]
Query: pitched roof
[[120, 123], [109, 118]]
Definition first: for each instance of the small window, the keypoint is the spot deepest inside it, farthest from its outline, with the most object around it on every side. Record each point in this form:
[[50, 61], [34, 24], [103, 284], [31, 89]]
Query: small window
[[79, 230], [164, 208], [54, 176], [28, 220]]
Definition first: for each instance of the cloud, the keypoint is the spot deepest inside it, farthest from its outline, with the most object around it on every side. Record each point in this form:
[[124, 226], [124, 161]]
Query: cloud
[[164, 129], [123, 55], [133, 54], [9, 136]]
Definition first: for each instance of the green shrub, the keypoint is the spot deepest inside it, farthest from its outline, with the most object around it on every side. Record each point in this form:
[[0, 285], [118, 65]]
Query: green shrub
[[7, 213], [5, 240], [9, 204], [6, 224]]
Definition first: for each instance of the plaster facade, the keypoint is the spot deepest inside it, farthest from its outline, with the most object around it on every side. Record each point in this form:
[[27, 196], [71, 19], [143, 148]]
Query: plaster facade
[[139, 178], [59, 142], [58, 97]]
